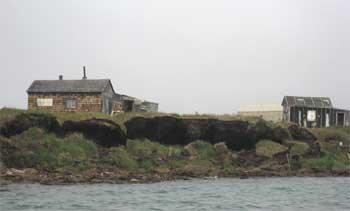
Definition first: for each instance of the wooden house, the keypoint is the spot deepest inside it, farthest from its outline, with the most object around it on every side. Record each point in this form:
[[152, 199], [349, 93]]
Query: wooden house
[[71, 95], [83, 95]]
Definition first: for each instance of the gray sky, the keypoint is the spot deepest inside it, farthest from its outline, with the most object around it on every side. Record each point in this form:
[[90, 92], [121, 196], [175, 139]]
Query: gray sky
[[206, 56]]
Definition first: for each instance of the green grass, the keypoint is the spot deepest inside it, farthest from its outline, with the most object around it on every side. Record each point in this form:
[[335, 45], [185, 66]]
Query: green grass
[[326, 163], [173, 164], [201, 163], [202, 150], [269, 148], [120, 157], [333, 134], [35, 148], [145, 148], [298, 148], [9, 113], [333, 149]]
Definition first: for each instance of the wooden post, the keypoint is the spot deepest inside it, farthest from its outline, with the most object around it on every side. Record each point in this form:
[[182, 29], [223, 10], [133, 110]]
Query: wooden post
[[288, 162]]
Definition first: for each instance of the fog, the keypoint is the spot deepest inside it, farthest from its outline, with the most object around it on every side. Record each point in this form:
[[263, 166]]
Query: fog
[[189, 56]]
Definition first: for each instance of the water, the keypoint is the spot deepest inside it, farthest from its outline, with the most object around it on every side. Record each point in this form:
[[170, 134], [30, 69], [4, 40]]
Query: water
[[221, 194]]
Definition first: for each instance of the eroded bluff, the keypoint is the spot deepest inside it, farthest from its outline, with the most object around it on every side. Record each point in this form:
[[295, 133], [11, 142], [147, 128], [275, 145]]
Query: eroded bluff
[[236, 134], [104, 132]]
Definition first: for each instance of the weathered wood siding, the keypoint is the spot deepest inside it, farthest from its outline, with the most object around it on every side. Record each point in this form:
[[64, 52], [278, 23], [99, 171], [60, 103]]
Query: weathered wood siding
[[107, 100], [86, 102], [321, 114]]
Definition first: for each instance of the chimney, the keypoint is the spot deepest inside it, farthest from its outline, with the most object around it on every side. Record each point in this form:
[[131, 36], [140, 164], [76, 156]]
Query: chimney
[[84, 77], [60, 77]]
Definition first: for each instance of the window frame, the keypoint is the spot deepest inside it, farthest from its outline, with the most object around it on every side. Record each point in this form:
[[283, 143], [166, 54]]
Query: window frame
[[44, 102], [66, 100]]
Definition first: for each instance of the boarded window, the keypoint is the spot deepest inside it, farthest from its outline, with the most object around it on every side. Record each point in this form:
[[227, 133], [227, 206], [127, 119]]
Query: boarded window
[[71, 103], [44, 102]]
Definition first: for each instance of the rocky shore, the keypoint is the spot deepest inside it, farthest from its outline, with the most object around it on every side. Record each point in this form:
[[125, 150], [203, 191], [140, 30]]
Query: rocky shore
[[57, 149], [50, 178]]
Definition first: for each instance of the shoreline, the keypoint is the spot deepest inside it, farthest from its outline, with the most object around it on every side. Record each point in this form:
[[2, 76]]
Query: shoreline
[[27, 176], [52, 149]]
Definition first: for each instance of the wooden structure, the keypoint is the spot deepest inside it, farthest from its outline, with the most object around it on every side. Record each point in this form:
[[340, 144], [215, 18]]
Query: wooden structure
[[137, 105], [82, 96], [71, 95], [314, 112]]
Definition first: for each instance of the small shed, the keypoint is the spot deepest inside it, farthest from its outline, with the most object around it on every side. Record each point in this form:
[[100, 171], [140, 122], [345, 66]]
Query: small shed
[[132, 104], [313, 112]]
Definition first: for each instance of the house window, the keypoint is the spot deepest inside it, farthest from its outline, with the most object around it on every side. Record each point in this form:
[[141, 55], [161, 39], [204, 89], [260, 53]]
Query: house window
[[311, 115], [44, 102], [326, 101], [71, 103]]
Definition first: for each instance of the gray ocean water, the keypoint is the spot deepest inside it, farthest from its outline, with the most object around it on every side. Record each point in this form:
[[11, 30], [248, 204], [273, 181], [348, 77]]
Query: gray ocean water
[[220, 194]]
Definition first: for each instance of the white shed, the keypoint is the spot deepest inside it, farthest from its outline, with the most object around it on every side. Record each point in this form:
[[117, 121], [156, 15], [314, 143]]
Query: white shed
[[269, 112]]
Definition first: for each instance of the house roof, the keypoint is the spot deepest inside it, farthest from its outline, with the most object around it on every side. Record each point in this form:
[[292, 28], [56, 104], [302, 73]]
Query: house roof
[[314, 102], [69, 86], [261, 107], [123, 97]]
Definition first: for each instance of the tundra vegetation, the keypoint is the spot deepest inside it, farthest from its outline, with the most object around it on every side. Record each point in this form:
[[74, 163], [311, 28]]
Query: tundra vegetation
[[61, 148]]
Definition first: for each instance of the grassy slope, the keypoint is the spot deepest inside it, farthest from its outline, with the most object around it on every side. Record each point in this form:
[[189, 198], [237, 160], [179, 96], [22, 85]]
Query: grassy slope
[[77, 154], [8, 113]]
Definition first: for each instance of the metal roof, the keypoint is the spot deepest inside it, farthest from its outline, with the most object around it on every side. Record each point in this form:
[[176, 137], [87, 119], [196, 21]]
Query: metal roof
[[261, 107], [69, 86], [314, 102]]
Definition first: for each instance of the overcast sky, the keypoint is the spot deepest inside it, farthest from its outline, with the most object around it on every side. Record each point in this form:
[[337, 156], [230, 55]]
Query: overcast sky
[[209, 56]]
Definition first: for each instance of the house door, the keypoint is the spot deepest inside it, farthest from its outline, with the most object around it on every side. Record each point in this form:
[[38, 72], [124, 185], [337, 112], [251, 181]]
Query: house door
[[327, 120], [299, 118], [340, 119]]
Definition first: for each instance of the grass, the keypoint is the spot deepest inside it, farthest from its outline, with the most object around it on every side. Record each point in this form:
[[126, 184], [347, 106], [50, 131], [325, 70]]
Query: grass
[[145, 148], [269, 148], [323, 164], [120, 119], [332, 149], [333, 134], [35, 148], [8, 113], [202, 150], [298, 148], [118, 156]]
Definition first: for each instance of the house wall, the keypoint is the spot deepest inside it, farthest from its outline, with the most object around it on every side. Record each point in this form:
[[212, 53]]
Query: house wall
[[274, 116], [347, 119], [107, 100], [151, 107], [85, 102], [145, 107], [321, 116], [346, 116]]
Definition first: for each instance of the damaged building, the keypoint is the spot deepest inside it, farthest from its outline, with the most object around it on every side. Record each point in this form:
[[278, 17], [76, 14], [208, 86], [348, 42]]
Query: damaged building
[[305, 111], [314, 112], [84, 95]]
